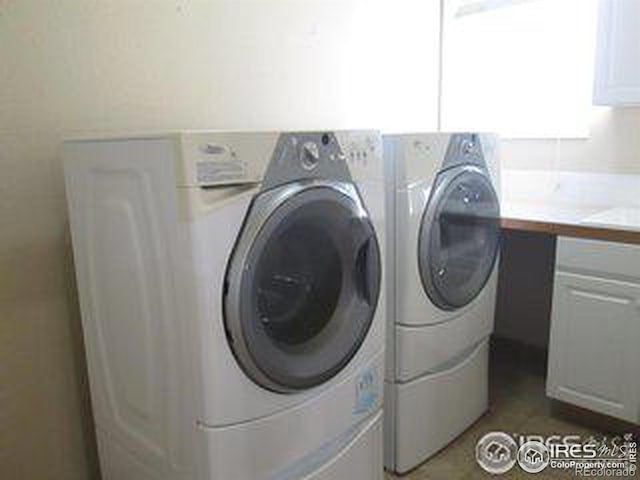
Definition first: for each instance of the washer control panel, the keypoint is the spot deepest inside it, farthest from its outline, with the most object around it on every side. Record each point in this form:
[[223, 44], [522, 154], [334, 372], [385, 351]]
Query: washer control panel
[[464, 149]]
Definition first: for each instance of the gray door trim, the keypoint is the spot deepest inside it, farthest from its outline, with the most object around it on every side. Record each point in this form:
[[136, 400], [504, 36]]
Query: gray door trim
[[442, 183], [264, 205]]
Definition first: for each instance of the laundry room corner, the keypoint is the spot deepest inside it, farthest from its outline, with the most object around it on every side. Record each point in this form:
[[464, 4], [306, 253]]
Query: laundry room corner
[[319, 239]]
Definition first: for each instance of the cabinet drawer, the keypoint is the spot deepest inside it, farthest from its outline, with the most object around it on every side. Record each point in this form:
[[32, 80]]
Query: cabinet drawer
[[597, 257]]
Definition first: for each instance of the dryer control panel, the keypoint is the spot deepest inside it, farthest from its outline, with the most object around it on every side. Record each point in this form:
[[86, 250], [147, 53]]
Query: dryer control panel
[[464, 149]]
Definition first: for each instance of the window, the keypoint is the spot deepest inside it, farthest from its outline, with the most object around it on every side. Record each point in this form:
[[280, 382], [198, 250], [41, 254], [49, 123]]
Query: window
[[522, 68]]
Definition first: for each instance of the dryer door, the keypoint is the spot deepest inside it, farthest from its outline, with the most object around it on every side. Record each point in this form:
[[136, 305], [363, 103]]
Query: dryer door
[[459, 237], [302, 285]]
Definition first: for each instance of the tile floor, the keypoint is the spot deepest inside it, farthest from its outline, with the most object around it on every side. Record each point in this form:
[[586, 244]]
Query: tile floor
[[517, 405]]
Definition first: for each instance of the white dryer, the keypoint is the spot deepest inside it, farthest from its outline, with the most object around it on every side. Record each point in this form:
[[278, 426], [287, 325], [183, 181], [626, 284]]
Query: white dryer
[[232, 302], [443, 218]]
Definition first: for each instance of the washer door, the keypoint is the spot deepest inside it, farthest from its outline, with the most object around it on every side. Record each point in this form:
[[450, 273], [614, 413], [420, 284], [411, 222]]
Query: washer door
[[459, 237], [303, 285]]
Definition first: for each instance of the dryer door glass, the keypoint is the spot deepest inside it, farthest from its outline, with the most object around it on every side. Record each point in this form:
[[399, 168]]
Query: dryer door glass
[[308, 291], [459, 238]]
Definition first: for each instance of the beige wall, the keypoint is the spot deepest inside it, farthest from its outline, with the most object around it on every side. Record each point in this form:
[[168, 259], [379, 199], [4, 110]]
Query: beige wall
[[72, 67], [613, 146]]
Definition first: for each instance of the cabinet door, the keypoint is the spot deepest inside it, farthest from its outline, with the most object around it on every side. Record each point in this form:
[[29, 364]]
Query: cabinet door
[[595, 344], [617, 75]]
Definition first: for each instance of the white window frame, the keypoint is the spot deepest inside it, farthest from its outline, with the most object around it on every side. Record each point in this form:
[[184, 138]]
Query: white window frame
[[560, 108]]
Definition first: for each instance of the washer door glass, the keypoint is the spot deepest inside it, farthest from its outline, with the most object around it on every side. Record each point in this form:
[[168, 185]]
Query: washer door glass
[[308, 291], [459, 239]]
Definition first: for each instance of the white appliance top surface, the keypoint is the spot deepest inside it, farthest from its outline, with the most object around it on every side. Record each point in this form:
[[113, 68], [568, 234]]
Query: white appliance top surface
[[588, 204]]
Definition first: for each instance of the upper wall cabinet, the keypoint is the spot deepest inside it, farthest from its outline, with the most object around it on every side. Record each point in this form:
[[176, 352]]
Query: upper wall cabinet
[[617, 75]]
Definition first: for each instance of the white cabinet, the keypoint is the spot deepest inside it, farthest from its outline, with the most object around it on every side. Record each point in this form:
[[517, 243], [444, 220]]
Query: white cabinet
[[617, 75], [594, 353]]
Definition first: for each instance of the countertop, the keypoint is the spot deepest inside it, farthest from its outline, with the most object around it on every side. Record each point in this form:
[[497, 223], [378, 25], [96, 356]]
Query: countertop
[[569, 220], [573, 204]]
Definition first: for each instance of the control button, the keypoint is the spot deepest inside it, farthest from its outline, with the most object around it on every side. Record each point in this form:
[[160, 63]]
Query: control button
[[310, 155], [468, 147]]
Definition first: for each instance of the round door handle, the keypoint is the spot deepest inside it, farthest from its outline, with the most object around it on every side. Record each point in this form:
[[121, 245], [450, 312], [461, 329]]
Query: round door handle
[[468, 147]]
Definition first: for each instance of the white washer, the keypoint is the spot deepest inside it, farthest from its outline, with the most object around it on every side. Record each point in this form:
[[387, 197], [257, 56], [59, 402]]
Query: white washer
[[232, 302], [443, 240]]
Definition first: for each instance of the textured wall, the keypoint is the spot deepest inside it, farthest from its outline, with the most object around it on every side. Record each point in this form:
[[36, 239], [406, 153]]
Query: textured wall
[[74, 67], [613, 146]]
